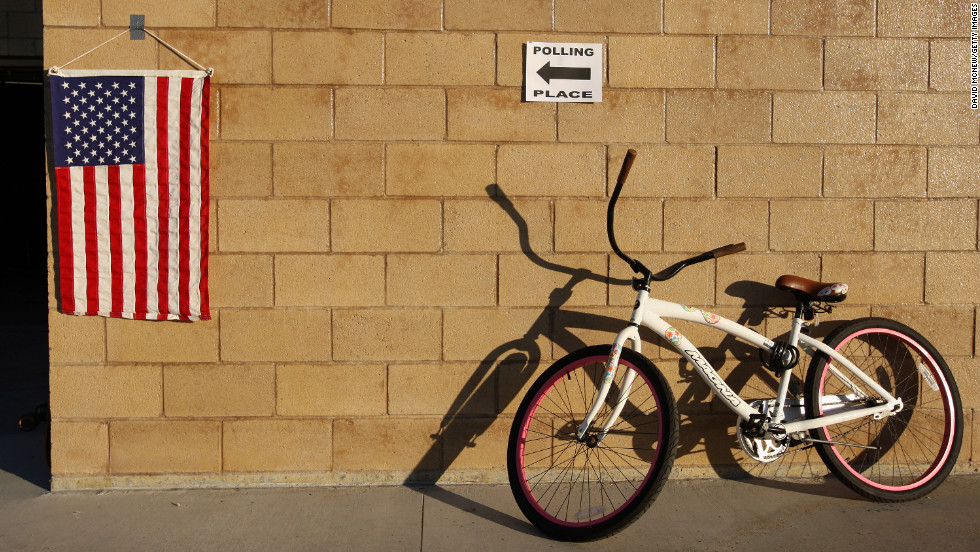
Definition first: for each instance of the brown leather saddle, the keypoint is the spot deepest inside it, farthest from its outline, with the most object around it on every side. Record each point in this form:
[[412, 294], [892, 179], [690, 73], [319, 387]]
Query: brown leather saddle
[[811, 290]]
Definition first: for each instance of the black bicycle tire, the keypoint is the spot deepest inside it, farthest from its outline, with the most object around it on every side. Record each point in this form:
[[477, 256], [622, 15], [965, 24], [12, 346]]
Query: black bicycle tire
[[949, 446], [654, 482]]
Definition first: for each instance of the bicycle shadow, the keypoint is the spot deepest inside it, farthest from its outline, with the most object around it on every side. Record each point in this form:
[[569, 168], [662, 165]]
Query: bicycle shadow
[[507, 371], [742, 369]]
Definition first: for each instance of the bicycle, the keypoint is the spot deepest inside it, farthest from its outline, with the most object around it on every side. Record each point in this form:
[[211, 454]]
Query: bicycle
[[594, 439]]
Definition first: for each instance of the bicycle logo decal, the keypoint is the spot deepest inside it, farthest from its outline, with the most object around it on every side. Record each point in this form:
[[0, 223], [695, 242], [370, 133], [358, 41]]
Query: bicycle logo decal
[[709, 317], [673, 335]]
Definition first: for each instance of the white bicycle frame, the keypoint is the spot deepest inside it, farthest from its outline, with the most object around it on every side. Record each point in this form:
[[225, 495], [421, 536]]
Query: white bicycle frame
[[652, 312]]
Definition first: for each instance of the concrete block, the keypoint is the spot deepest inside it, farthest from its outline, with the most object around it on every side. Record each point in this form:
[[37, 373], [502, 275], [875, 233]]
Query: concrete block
[[273, 14], [498, 115], [146, 341], [330, 280], [506, 15], [769, 171], [164, 447], [390, 114], [824, 117], [456, 170], [931, 225], [928, 119], [441, 280], [321, 169], [622, 116], [269, 335], [328, 57], [240, 280], [718, 116], [876, 64], [106, 391], [661, 61], [275, 113], [874, 171], [402, 334], [449, 59], [219, 390], [877, 279], [277, 445], [770, 63], [279, 225], [241, 169], [331, 390], [380, 14], [716, 17], [386, 225], [853, 228], [829, 18]]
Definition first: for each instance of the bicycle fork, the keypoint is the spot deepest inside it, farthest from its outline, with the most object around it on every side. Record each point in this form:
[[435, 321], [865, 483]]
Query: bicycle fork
[[631, 334]]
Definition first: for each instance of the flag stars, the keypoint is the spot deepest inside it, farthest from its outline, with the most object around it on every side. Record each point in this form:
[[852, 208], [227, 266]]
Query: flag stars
[[102, 119]]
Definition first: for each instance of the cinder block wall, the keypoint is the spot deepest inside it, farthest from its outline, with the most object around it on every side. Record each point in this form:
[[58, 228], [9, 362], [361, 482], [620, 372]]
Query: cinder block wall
[[399, 244]]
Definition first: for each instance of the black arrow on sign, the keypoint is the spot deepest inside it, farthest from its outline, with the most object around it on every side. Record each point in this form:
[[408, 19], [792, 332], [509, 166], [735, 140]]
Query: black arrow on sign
[[547, 72]]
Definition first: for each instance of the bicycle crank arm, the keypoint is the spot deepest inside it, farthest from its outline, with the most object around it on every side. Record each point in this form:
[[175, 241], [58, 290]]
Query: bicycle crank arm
[[822, 442]]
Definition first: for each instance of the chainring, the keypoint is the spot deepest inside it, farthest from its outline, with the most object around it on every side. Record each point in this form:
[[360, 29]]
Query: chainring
[[759, 449]]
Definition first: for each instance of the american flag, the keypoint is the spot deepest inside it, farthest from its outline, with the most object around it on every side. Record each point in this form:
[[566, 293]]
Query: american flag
[[131, 172]]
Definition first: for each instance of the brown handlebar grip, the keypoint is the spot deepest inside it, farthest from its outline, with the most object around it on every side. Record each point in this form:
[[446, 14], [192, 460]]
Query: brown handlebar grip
[[627, 165], [728, 249]]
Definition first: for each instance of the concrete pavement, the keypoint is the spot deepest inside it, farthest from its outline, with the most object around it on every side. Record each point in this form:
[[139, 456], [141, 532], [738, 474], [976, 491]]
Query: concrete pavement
[[749, 514]]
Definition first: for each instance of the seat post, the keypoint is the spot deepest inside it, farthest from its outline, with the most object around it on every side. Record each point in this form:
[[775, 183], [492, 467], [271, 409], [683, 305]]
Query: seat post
[[804, 308]]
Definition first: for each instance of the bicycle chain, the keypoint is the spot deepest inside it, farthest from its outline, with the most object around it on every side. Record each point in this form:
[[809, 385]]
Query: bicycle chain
[[812, 445]]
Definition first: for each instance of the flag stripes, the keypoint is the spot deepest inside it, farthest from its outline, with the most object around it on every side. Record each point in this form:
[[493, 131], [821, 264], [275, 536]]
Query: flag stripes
[[133, 237]]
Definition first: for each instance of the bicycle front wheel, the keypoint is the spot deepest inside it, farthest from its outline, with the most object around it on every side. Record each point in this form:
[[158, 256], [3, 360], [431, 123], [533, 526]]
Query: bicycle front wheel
[[904, 455], [580, 489]]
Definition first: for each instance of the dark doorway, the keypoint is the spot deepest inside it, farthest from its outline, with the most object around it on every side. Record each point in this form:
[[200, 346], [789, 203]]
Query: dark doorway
[[24, 270]]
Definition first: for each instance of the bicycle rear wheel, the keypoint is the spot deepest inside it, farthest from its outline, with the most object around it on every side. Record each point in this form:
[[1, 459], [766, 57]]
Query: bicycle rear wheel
[[580, 489], [905, 455]]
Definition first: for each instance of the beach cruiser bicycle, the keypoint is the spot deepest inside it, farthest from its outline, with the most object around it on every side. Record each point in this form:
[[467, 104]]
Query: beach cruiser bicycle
[[594, 439]]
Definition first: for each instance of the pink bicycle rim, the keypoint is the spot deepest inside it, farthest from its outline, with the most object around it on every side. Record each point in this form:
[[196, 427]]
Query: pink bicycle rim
[[520, 451], [950, 414]]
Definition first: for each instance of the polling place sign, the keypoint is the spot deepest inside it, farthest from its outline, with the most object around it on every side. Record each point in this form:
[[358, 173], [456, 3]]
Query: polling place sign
[[562, 72]]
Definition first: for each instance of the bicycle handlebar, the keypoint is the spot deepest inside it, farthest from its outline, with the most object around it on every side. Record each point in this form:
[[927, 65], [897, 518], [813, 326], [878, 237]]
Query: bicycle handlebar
[[636, 265], [624, 172], [728, 250]]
